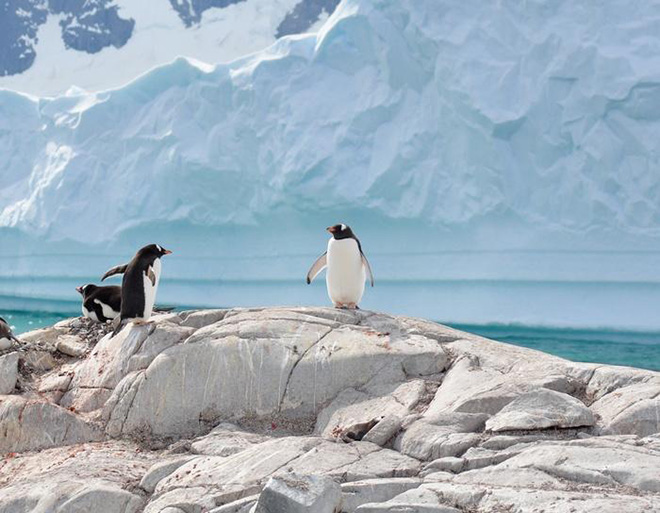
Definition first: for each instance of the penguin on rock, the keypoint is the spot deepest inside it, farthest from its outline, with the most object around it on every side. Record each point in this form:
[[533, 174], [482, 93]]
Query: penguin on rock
[[7, 338], [347, 268], [139, 285], [100, 304]]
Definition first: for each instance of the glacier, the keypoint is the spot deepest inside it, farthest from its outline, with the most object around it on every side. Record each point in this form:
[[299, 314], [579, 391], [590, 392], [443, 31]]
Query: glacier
[[499, 163], [48, 47]]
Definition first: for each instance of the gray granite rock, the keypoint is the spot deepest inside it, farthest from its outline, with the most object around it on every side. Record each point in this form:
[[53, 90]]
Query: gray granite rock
[[28, 425], [8, 373], [633, 409], [296, 493], [208, 406], [541, 409], [356, 493]]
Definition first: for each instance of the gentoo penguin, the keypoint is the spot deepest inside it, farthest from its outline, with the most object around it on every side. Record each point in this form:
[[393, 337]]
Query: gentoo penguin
[[139, 285], [100, 304], [347, 267], [6, 336]]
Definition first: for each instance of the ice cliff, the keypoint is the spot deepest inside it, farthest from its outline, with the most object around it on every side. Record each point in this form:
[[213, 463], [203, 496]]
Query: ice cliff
[[471, 142]]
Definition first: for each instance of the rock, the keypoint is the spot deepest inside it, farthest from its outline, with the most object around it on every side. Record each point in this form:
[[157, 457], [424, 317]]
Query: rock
[[294, 493], [8, 373], [52, 386], [71, 345], [262, 363], [244, 505], [499, 442], [426, 441], [77, 478], [606, 379], [199, 319], [541, 409], [29, 425], [495, 499], [486, 377], [352, 407], [447, 464], [395, 391], [419, 499], [39, 360], [374, 490], [113, 358], [479, 457], [103, 498], [556, 464], [225, 440], [161, 470], [384, 430], [633, 409]]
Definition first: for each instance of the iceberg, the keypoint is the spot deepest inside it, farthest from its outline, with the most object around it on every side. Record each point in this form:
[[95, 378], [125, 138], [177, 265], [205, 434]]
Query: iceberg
[[498, 161]]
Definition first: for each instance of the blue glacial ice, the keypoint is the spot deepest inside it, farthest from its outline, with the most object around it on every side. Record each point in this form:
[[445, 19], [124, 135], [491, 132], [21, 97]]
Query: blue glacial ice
[[498, 160]]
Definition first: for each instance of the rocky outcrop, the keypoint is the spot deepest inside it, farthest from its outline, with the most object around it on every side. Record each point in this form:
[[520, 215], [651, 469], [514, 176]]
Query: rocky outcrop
[[315, 409]]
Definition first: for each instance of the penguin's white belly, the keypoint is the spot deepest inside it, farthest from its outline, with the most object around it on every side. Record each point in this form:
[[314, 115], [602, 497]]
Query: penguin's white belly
[[345, 273], [107, 310], [89, 315], [150, 290]]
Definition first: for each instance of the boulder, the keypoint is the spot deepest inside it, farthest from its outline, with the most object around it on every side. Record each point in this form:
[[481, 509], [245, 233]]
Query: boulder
[[295, 493], [113, 358], [8, 373], [633, 409], [541, 409], [71, 345], [29, 425], [418, 499], [266, 363]]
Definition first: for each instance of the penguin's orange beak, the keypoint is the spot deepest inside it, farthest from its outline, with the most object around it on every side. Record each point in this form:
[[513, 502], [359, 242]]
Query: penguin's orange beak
[[331, 229], [79, 289], [166, 252]]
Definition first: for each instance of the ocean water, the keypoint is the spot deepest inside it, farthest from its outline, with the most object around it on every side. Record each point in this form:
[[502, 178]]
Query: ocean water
[[631, 348]]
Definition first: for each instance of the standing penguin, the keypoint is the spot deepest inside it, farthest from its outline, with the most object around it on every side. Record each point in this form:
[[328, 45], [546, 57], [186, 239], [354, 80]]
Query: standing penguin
[[6, 335], [139, 285], [100, 304], [347, 268]]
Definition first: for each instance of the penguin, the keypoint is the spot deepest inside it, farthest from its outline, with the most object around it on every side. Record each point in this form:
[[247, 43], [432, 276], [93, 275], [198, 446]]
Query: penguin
[[139, 285], [100, 304], [6, 335], [347, 268]]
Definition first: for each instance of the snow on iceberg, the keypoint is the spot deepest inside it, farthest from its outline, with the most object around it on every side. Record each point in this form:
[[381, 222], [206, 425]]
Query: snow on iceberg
[[464, 141]]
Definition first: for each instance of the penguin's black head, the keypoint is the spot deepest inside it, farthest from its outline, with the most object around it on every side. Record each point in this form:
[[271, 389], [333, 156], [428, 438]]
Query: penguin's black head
[[341, 231], [86, 289], [154, 250]]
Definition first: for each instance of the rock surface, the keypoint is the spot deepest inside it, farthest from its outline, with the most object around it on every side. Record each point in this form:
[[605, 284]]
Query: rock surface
[[233, 411], [8, 372], [294, 493]]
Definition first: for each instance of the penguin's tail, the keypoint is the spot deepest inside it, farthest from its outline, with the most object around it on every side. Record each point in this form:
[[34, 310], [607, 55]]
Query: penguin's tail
[[119, 326]]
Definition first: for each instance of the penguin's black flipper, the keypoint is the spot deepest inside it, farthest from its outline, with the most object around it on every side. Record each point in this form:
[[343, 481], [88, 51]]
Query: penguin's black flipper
[[119, 269]]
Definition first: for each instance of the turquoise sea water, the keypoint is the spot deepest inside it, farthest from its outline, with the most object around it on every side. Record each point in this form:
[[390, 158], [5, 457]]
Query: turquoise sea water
[[636, 349]]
